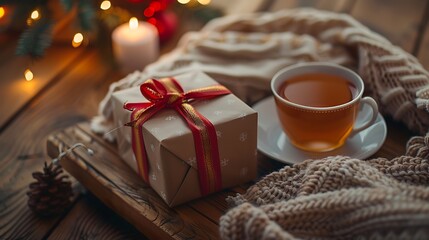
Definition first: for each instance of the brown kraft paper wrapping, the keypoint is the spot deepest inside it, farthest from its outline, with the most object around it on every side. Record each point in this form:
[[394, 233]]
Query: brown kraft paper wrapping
[[169, 142]]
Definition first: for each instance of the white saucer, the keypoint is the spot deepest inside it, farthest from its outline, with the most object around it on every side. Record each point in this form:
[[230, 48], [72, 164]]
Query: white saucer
[[273, 142]]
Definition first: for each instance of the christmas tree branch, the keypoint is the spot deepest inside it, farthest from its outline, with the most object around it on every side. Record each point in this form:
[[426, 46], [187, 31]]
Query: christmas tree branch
[[67, 4], [86, 15], [33, 41]]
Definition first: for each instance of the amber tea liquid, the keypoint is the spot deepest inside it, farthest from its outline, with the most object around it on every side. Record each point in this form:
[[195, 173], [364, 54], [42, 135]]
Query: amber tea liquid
[[323, 129], [317, 90]]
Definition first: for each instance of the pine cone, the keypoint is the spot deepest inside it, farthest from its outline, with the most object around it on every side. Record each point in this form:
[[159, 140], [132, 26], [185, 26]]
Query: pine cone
[[51, 193]]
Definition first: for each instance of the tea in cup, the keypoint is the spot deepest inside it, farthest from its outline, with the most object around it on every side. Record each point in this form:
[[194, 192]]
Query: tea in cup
[[318, 103]]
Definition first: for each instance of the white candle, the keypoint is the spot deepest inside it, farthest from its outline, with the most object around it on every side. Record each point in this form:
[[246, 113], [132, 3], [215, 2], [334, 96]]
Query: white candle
[[135, 44]]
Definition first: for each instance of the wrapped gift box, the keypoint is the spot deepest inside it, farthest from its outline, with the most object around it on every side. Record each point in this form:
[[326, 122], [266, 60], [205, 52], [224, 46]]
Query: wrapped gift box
[[169, 141]]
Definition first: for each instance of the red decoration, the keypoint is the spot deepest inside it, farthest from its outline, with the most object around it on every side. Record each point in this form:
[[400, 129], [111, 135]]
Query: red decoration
[[167, 93], [166, 23], [148, 12], [157, 6], [155, 12]]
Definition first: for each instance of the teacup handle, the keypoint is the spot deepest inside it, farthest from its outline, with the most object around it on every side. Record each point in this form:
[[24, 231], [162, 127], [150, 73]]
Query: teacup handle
[[371, 102]]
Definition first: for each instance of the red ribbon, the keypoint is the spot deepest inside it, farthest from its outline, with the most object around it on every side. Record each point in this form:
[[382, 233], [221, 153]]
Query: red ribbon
[[167, 93]]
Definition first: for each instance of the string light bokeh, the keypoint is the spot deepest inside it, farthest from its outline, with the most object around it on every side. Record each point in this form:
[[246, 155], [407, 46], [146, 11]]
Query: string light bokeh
[[78, 38], [28, 74], [2, 12]]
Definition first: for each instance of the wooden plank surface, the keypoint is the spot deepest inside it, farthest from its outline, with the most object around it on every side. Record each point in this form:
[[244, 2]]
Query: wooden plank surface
[[423, 48], [397, 20], [16, 92], [68, 92], [73, 99], [111, 180], [98, 222]]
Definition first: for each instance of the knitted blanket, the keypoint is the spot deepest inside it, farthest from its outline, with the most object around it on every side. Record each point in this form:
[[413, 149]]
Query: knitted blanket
[[336, 197]]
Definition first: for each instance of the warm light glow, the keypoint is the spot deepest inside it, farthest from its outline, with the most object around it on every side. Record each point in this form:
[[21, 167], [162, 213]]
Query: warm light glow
[[35, 15], [78, 37], [28, 74], [105, 5], [29, 88], [204, 2], [183, 1], [2, 12], [77, 40], [134, 23]]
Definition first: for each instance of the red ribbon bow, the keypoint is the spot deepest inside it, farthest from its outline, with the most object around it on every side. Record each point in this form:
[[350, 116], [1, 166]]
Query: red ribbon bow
[[167, 93]]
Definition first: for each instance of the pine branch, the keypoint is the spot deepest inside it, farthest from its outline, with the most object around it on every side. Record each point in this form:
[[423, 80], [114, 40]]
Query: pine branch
[[86, 15], [33, 41], [67, 4]]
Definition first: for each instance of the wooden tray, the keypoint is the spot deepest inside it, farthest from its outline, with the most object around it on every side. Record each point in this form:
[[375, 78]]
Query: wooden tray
[[117, 186]]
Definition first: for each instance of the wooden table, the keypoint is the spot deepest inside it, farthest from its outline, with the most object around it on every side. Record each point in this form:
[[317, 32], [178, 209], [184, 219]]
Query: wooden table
[[68, 86]]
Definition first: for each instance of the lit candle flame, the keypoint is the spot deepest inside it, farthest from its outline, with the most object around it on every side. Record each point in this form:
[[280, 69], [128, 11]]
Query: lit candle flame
[[35, 15], [2, 12], [105, 5], [28, 74], [77, 40], [134, 23]]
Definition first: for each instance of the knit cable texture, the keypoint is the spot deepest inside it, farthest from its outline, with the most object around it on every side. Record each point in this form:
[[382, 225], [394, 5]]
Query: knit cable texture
[[336, 198]]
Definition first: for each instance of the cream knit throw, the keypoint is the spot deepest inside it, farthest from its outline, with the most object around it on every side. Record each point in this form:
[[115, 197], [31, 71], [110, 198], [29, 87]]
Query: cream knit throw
[[336, 197], [244, 52]]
